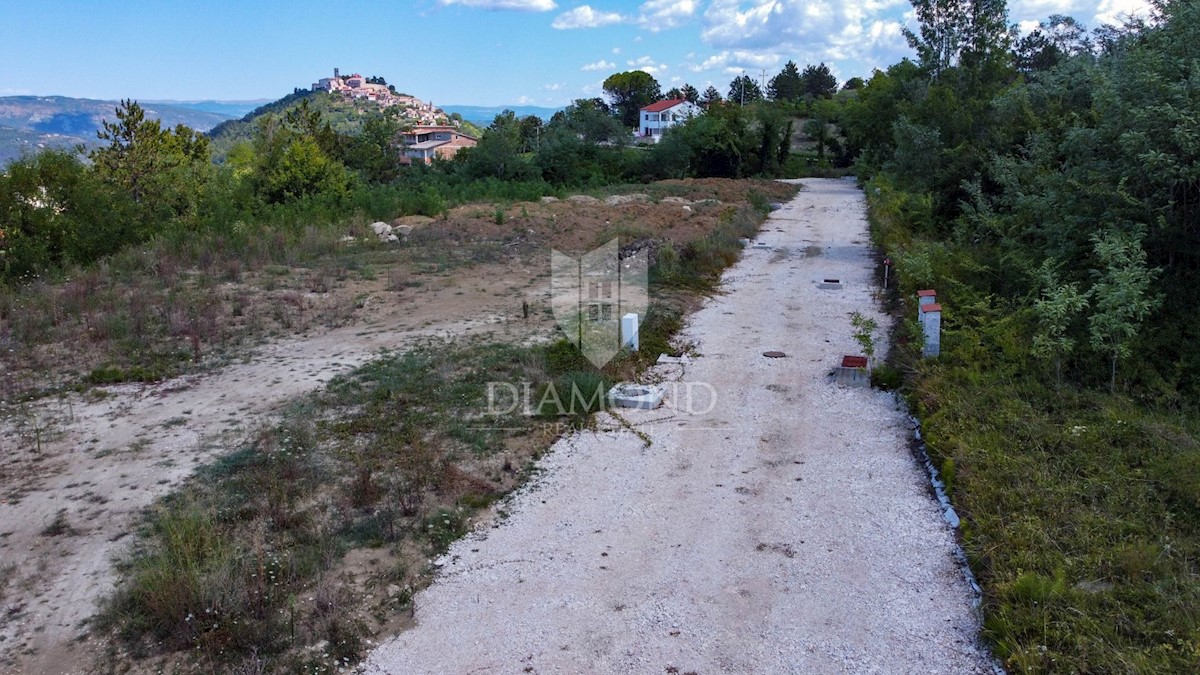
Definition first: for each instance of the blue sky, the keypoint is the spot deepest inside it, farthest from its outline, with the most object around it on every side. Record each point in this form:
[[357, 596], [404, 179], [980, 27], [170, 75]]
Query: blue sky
[[482, 52]]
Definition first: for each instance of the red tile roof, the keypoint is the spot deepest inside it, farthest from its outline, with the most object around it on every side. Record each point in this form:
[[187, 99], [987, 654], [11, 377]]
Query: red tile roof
[[664, 105]]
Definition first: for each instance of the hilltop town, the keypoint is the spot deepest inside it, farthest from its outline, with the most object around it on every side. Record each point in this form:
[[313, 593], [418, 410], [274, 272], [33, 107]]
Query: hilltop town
[[375, 89]]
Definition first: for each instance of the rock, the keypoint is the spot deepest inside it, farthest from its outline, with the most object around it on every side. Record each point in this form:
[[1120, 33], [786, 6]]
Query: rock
[[775, 206], [391, 239], [403, 230], [383, 231], [617, 200], [549, 200], [687, 210], [583, 199], [674, 200]]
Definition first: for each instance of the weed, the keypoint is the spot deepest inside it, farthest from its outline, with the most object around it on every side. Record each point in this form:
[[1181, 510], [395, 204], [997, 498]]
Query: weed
[[58, 527]]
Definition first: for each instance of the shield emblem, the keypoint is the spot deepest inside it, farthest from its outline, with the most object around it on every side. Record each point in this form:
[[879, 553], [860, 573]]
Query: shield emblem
[[589, 296]]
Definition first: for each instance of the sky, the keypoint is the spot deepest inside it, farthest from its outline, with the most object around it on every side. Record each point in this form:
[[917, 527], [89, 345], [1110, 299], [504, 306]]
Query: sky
[[465, 52]]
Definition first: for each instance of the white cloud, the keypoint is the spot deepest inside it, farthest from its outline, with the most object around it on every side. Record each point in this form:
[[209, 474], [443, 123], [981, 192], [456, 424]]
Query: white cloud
[[1027, 26], [1113, 11], [656, 15], [863, 31], [736, 61], [552, 87], [584, 16], [647, 65], [514, 5], [600, 65], [616, 50], [524, 100]]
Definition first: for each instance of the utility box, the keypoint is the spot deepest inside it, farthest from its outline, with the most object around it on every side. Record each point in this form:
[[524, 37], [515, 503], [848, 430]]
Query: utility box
[[629, 331]]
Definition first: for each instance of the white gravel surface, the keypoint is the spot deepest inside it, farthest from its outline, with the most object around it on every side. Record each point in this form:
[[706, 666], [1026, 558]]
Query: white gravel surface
[[789, 529]]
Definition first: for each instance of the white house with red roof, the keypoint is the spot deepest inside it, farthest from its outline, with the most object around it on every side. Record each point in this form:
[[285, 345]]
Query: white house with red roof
[[658, 117]]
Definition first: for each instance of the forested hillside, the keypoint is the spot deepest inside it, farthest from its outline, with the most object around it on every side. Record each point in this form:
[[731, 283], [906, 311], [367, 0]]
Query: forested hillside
[[29, 123], [1048, 188]]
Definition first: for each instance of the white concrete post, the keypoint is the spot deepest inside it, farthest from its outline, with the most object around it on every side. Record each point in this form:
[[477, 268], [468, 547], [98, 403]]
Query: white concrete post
[[629, 331], [931, 326]]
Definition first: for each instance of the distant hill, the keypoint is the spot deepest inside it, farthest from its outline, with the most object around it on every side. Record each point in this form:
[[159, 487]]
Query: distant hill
[[30, 123], [228, 108], [483, 115]]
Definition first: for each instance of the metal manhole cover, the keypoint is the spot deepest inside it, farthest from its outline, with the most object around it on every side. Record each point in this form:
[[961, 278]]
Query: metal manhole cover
[[774, 355]]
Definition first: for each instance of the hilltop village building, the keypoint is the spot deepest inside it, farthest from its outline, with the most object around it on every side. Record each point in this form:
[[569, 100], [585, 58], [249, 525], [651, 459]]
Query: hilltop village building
[[356, 86], [432, 135]]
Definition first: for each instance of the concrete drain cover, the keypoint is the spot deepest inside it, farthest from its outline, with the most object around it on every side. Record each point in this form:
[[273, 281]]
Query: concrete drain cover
[[774, 355], [830, 284], [629, 395]]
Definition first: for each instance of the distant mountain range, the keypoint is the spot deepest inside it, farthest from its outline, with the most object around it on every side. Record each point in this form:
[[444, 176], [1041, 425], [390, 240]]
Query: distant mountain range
[[31, 123], [230, 109], [483, 115]]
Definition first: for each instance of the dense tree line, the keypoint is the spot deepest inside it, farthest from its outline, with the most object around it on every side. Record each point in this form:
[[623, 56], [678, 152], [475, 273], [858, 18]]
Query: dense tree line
[[1067, 160]]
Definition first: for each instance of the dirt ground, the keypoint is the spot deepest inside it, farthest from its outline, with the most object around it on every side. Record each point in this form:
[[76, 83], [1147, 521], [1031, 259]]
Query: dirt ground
[[765, 520], [76, 469]]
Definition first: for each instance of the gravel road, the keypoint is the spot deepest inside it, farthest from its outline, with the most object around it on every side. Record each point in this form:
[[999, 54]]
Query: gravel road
[[788, 529]]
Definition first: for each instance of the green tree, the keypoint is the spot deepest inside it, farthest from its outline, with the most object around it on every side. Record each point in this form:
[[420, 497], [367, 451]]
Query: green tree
[[743, 89], [689, 93], [942, 30], [292, 160], [710, 96], [818, 82], [54, 211], [141, 156], [787, 85], [1056, 310], [630, 92], [374, 152], [1122, 295], [1054, 40], [302, 169], [971, 33], [163, 171], [530, 130], [591, 120]]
